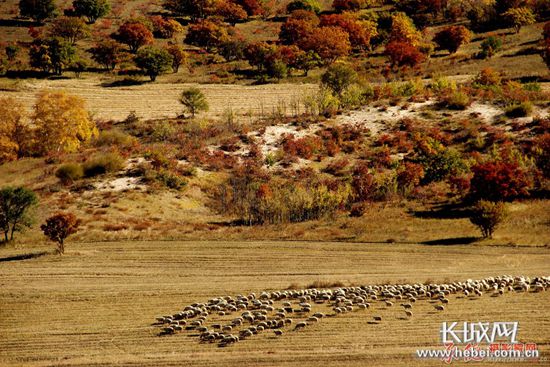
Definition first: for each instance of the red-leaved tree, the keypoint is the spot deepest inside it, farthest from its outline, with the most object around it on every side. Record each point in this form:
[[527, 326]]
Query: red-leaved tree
[[499, 181], [58, 227], [134, 34], [403, 54]]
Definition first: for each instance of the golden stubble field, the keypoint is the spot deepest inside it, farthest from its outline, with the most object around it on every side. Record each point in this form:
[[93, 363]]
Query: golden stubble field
[[94, 306], [161, 100]]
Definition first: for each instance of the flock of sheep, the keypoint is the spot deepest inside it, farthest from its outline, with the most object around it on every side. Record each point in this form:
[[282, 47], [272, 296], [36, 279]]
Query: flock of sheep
[[257, 313]]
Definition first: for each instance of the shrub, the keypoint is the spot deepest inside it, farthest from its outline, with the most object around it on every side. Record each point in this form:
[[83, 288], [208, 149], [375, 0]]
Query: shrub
[[487, 215], [69, 172], [499, 181], [487, 77], [456, 100], [519, 17], [103, 163], [338, 78], [490, 46], [91, 9], [438, 161], [519, 110], [409, 176], [114, 137], [171, 180]]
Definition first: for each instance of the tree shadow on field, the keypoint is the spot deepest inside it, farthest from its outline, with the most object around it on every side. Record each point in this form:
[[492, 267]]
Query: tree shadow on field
[[445, 211], [451, 241], [24, 23], [126, 82], [24, 256]]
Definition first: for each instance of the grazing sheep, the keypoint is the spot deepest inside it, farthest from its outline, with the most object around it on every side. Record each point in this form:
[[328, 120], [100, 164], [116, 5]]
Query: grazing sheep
[[277, 332], [389, 303], [440, 307], [406, 305], [312, 319], [408, 313], [377, 318], [227, 328], [300, 325]]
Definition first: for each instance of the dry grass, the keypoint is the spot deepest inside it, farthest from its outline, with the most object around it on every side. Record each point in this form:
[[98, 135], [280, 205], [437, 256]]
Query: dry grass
[[151, 101], [95, 305]]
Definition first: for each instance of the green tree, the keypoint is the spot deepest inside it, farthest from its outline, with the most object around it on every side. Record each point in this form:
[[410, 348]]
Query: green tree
[[194, 100], [338, 77], [58, 227], [91, 9], [15, 210], [39, 10], [154, 61], [490, 46], [52, 55]]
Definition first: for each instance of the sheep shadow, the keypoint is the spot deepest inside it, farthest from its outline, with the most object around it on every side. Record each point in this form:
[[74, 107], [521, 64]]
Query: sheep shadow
[[451, 241], [24, 256]]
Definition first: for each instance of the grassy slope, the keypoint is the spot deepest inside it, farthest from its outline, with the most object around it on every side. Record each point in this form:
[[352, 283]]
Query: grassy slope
[[94, 306]]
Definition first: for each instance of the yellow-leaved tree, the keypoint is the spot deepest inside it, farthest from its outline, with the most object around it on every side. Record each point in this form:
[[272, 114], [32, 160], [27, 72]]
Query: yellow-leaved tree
[[11, 129], [61, 122]]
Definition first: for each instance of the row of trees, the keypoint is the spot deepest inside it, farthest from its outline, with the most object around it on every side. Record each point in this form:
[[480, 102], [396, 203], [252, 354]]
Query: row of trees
[[40, 10], [17, 213], [59, 123]]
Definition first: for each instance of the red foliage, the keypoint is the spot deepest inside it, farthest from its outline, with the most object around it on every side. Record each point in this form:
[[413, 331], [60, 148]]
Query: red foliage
[[451, 38], [409, 175], [135, 35], [328, 42], [230, 11], [252, 7], [499, 181], [404, 54], [58, 227], [298, 26], [359, 35], [302, 147]]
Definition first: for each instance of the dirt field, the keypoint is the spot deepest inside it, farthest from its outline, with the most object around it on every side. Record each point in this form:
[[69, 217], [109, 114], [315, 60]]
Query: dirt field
[[157, 100], [95, 305]]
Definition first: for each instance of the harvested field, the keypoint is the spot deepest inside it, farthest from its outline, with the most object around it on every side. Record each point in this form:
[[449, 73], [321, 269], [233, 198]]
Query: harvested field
[[155, 100], [95, 305]]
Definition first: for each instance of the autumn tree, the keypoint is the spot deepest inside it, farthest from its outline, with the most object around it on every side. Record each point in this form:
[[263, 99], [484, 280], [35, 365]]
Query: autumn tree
[[297, 27], [134, 34], [62, 122], [307, 60], [16, 204], [404, 30], [70, 29], [38, 10], [252, 7], [451, 38], [499, 181], [153, 61], [91, 9], [360, 31], [230, 11], [328, 42], [165, 28], [207, 33], [11, 129], [196, 9], [52, 55], [519, 17], [403, 54], [107, 53], [58, 227], [194, 100], [179, 56]]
